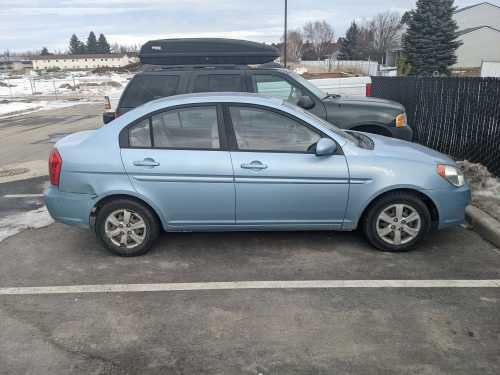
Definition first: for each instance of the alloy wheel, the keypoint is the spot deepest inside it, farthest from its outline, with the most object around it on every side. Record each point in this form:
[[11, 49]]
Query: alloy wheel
[[398, 224], [125, 228]]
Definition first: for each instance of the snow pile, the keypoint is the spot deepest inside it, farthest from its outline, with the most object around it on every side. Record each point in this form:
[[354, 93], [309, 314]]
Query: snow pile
[[485, 188], [13, 224], [482, 182]]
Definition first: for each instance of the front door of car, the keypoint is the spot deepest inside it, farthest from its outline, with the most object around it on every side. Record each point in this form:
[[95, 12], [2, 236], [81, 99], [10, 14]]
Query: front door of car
[[176, 160], [279, 180]]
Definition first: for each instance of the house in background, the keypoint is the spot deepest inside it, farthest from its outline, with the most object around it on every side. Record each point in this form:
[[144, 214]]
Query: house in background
[[83, 62], [479, 31]]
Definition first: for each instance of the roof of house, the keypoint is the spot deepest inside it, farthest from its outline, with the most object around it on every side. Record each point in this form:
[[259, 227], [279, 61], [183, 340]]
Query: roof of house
[[86, 56], [471, 29], [476, 5]]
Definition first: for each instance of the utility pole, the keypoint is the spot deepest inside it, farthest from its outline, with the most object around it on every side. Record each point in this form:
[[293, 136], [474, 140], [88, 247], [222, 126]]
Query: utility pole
[[286, 31]]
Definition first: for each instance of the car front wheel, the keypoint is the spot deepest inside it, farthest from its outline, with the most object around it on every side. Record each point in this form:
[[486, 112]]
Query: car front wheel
[[126, 227], [397, 222]]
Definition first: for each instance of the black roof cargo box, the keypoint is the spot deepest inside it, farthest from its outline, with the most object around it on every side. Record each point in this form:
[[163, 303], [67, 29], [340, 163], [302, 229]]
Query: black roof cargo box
[[206, 51]]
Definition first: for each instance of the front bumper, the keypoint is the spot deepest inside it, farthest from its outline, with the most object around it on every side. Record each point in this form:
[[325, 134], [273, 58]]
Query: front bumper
[[451, 205], [405, 133], [69, 208]]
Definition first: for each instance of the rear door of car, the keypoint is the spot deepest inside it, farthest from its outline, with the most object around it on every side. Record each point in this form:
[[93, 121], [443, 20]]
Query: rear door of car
[[153, 85], [177, 159]]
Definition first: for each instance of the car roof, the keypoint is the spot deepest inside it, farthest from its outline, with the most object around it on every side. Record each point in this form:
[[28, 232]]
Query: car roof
[[155, 69], [211, 97]]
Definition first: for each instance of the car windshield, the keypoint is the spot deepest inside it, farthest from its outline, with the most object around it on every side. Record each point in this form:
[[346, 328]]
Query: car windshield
[[326, 124], [308, 85]]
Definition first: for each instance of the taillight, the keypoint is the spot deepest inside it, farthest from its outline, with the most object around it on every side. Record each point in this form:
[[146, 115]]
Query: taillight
[[55, 166], [369, 90]]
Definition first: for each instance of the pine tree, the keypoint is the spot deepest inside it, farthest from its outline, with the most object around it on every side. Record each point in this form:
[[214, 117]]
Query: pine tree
[[76, 47], [103, 45], [92, 43], [44, 51], [350, 44], [431, 39]]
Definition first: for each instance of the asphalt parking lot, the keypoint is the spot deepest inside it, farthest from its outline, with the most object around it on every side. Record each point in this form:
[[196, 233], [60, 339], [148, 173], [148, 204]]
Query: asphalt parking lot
[[433, 326]]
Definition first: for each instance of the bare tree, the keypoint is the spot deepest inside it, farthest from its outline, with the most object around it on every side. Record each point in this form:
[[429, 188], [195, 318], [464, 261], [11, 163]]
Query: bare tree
[[384, 31], [320, 35], [295, 45]]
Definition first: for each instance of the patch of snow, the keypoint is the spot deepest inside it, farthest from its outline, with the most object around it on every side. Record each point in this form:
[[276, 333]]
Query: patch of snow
[[64, 83], [16, 108], [300, 70], [481, 181], [14, 224]]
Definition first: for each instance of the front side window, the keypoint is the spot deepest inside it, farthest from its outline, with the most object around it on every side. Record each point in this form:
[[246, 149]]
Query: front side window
[[258, 129], [277, 87], [139, 135], [217, 83], [187, 128], [143, 89]]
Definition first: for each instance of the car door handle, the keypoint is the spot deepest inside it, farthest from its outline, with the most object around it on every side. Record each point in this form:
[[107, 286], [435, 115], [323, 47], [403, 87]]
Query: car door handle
[[147, 162], [254, 165]]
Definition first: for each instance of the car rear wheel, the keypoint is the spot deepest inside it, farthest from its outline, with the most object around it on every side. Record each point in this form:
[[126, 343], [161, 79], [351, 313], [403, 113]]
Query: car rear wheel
[[397, 222], [126, 227]]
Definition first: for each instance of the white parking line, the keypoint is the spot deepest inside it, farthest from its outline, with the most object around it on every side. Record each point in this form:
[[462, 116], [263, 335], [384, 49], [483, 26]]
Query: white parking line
[[23, 196], [235, 285]]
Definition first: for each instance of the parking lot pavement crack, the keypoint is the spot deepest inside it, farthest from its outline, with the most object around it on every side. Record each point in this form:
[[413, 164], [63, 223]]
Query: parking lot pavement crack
[[35, 335]]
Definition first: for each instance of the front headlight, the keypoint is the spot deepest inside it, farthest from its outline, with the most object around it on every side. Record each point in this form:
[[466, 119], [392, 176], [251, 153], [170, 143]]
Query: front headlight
[[451, 174], [401, 120]]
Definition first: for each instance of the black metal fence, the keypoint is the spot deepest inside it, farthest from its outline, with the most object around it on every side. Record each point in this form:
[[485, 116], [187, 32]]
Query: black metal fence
[[457, 116]]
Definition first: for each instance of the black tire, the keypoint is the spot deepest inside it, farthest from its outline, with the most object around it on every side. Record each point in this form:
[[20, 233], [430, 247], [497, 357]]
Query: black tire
[[150, 233], [370, 219]]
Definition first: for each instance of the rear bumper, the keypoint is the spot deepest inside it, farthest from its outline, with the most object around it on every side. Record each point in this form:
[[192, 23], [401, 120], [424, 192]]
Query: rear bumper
[[405, 133], [451, 205], [69, 208]]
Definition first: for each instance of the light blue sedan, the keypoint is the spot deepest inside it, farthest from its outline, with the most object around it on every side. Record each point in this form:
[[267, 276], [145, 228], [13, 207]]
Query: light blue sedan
[[240, 162]]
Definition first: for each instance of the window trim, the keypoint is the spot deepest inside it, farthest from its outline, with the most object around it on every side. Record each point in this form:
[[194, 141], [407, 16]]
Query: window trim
[[233, 144], [124, 137]]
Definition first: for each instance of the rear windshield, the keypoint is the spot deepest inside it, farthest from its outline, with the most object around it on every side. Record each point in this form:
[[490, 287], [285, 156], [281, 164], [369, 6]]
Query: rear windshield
[[143, 89]]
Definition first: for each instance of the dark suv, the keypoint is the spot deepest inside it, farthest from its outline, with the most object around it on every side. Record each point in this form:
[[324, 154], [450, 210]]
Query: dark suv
[[371, 115]]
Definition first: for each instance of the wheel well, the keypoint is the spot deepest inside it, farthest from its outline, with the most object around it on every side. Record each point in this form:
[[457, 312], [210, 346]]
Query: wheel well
[[111, 198], [374, 129], [428, 202]]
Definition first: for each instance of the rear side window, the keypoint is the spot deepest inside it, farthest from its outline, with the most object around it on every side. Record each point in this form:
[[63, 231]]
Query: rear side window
[[143, 89], [139, 135], [217, 83], [187, 128]]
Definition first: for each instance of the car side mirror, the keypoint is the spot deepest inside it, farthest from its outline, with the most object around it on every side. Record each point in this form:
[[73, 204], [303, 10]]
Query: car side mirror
[[326, 146], [107, 117], [306, 102]]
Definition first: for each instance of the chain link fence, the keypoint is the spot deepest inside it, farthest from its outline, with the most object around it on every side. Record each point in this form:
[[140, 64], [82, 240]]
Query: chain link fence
[[60, 86], [457, 116]]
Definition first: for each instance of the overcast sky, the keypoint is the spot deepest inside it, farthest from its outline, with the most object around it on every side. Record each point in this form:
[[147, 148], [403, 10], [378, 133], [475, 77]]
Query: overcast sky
[[31, 24]]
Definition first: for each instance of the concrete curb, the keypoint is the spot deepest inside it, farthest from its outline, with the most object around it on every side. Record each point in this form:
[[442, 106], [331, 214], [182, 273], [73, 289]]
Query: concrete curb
[[485, 225]]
